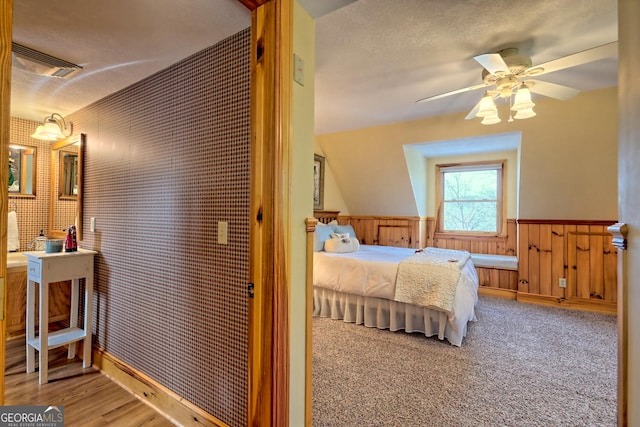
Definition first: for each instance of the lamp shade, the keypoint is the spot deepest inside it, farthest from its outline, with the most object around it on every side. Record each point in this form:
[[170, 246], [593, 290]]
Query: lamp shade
[[491, 120], [525, 114], [50, 130], [522, 99], [37, 133], [487, 107]]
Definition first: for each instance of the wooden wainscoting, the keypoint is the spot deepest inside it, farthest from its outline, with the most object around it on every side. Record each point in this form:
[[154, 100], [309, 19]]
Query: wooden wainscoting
[[580, 252], [493, 245], [498, 278], [506, 244], [403, 231]]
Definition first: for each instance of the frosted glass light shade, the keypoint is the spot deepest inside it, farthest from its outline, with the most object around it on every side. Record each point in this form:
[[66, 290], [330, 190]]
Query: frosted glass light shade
[[525, 114], [491, 120], [522, 99], [487, 107], [50, 130]]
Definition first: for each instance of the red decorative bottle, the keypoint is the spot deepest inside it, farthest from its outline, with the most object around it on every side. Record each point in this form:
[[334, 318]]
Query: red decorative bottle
[[68, 241]]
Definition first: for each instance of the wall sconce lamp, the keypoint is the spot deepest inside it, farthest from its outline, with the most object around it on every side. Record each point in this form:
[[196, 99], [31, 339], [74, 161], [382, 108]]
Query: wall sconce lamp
[[53, 128]]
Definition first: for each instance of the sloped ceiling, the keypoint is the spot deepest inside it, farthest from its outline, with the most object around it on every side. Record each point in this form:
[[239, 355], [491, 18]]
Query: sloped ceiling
[[117, 42], [374, 58]]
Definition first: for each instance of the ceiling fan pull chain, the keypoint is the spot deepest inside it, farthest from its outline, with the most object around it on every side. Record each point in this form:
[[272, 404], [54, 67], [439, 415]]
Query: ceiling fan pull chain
[[510, 120]]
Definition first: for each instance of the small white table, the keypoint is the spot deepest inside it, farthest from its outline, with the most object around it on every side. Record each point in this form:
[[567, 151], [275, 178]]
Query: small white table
[[45, 268]]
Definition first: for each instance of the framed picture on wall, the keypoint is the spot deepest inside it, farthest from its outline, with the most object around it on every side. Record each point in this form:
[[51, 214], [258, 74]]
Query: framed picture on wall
[[318, 182]]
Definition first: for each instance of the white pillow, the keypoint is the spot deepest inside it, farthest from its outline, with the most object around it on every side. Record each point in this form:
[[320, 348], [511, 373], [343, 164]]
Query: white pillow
[[342, 246], [339, 236], [322, 233]]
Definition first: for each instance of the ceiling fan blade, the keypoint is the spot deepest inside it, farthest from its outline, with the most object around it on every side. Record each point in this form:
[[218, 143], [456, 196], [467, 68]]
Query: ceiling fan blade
[[473, 112], [453, 92], [493, 63], [608, 50], [552, 90]]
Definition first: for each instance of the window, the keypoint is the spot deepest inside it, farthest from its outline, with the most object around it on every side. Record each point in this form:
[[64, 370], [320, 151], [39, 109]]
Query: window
[[470, 198]]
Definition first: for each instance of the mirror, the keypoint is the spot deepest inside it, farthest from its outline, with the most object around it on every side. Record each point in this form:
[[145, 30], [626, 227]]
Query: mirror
[[68, 167], [22, 171], [65, 206]]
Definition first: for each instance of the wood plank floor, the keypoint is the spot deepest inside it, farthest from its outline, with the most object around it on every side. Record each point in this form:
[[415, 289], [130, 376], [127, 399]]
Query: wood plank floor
[[89, 398]]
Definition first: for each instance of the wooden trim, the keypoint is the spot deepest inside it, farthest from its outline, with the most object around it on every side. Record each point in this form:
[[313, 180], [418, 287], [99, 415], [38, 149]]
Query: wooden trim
[[6, 28], [497, 293], [501, 212], [326, 217], [56, 147], [253, 4], [175, 408], [565, 221], [271, 87], [581, 304], [452, 235], [383, 218], [620, 232], [308, 398]]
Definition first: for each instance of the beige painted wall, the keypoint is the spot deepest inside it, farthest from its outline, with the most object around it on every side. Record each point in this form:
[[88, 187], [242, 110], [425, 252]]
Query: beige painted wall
[[568, 159], [333, 200], [510, 177], [301, 188]]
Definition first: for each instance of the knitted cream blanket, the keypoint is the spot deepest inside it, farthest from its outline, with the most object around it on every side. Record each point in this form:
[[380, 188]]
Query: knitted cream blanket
[[429, 278]]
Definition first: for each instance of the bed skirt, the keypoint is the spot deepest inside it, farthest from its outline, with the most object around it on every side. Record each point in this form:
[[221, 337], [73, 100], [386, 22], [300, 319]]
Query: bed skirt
[[385, 314]]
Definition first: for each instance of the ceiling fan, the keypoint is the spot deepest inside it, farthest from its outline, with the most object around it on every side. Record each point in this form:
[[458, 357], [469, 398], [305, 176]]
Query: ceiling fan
[[509, 73]]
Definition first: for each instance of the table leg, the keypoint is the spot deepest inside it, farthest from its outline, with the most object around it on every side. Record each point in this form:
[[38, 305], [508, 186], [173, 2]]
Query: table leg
[[88, 316], [31, 332], [44, 332], [73, 314]]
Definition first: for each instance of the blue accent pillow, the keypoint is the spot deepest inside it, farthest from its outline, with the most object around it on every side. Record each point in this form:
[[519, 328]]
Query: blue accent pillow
[[341, 229], [322, 233]]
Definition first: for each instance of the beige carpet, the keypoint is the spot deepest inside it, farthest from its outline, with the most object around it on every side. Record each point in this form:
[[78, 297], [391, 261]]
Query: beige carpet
[[520, 365]]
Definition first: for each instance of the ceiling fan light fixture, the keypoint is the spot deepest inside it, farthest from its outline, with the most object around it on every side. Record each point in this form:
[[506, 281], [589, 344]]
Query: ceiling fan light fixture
[[487, 107], [522, 99], [52, 128], [525, 114]]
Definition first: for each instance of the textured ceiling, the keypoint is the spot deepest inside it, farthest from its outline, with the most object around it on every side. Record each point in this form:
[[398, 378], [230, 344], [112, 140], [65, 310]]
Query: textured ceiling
[[117, 42], [374, 58]]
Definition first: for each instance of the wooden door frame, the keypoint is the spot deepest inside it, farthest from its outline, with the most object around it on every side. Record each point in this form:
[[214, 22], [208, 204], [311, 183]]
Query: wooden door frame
[[269, 349], [6, 31], [271, 104]]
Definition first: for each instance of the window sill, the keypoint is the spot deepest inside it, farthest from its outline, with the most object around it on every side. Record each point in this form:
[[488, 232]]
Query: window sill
[[470, 236]]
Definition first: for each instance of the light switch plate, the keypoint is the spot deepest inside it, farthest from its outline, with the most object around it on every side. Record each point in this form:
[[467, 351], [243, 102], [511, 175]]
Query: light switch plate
[[298, 70], [223, 231], [93, 224]]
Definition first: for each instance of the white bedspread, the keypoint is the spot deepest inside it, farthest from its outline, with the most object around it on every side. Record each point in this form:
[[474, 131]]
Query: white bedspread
[[360, 287], [371, 271]]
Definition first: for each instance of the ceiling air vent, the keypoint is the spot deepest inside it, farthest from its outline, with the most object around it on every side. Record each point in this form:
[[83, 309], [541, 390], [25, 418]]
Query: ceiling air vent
[[40, 63]]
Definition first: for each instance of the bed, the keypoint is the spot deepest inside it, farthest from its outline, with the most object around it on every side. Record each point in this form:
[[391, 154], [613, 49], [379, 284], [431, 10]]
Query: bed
[[432, 291]]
